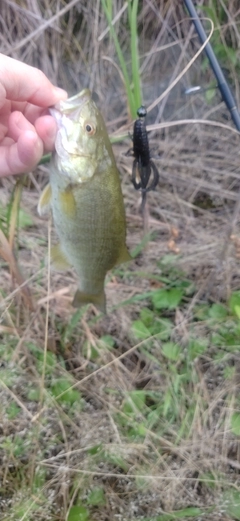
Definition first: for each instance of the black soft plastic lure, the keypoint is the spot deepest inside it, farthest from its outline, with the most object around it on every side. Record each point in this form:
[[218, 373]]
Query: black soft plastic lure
[[145, 175]]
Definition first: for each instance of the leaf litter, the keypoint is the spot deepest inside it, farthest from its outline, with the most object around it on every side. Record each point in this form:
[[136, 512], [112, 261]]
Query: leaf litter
[[173, 450]]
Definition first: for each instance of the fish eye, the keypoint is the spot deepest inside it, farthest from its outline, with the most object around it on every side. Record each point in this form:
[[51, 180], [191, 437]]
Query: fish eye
[[90, 129]]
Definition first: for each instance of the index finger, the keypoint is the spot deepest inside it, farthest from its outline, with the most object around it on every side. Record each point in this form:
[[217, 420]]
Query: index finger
[[21, 82]]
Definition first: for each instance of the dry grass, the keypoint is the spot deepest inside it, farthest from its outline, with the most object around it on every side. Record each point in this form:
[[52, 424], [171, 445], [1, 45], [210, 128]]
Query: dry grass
[[53, 454]]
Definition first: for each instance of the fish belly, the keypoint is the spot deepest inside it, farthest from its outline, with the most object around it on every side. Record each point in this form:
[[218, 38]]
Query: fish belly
[[90, 223]]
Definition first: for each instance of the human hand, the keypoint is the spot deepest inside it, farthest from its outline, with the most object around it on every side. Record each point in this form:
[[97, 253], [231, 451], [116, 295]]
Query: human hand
[[26, 128]]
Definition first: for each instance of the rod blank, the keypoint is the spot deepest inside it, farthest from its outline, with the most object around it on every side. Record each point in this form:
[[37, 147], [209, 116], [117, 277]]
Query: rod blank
[[221, 80]]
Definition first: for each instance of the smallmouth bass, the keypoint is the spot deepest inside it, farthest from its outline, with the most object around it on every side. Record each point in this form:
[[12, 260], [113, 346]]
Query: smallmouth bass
[[85, 198]]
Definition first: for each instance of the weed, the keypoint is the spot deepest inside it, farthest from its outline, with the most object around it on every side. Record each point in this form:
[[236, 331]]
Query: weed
[[132, 83], [134, 415]]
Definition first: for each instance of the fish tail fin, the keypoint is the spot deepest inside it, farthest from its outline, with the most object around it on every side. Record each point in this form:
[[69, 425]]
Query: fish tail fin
[[81, 298]]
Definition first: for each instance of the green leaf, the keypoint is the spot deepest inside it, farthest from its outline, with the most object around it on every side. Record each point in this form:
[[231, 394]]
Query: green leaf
[[174, 297], [135, 400], [163, 328], [39, 479], [167, 298], [24, 219], [234, 302], [211, 13], [62, 385], [147, 316], [96, 497], [208, 478], [160, 299], [89, 350], [178, 514], [108, 340], [33, 395], [201, 312], [232, 504], [229, 373], [51, 359], [237, 310], [12, 410], [78, 513], [138, 398], [235, 423], [232, 54], [210, 94], [171, 350], [168, 260], [154, 325], [141, 429], [217, 340], [19, 446], [196, 347], [96, 449], [217, 311], [140, 330]]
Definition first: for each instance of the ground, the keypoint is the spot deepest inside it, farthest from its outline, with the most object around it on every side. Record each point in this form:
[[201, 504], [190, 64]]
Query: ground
[[132, 415]]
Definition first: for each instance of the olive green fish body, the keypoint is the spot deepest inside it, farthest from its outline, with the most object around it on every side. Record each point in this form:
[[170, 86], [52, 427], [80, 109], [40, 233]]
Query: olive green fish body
[[86, 200], [92, 230]]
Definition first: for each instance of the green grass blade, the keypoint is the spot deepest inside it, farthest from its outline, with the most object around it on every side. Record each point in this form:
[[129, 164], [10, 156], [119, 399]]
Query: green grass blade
[[45, 159], [132, 14], [131, 101]]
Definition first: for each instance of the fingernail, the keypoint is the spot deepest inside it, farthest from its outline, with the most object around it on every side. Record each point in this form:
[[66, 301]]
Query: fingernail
[[60, 93]]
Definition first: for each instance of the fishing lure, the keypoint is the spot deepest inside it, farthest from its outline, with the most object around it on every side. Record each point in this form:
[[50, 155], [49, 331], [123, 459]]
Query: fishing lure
[[143, 166]]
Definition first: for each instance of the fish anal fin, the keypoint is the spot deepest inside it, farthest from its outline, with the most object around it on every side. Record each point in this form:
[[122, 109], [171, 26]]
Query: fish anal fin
[[81, 299], [68, 204], [124, 256], [58, 259], [45, 201]]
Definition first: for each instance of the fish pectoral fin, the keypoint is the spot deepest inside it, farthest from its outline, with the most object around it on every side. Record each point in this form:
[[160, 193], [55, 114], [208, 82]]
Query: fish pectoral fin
[[68, 203], [81, 299], [45, 200], [124, 256], [58, 259]]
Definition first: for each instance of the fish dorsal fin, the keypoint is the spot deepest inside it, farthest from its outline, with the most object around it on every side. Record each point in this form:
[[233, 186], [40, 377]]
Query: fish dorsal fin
[[124, 256], [45, 200], [58, 259]]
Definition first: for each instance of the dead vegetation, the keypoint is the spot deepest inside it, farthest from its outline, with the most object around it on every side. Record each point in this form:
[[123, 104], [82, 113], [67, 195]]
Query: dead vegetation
[[56, 452]]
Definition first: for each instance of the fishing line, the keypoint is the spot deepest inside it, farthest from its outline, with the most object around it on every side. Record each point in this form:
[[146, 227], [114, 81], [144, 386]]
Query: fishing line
[[140, 144], [145, 175], [170, 87]]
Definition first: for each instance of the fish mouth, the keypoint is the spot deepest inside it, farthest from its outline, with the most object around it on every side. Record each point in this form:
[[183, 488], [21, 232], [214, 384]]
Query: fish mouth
[[71, 104], [67, 115]]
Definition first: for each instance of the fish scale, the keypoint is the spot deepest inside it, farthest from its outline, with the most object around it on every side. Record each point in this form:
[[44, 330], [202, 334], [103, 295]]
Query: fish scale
[[85, 198]]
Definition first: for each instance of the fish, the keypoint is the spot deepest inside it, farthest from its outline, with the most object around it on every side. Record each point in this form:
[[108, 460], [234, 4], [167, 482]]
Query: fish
[[85, 198]]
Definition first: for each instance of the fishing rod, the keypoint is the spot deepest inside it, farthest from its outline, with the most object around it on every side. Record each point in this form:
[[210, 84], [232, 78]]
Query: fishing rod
[[221, 80]]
